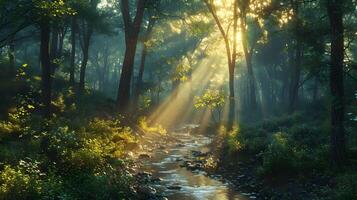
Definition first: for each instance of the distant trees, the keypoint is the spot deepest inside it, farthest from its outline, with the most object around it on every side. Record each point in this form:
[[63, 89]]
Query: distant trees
[[46, 13], [248, 50]]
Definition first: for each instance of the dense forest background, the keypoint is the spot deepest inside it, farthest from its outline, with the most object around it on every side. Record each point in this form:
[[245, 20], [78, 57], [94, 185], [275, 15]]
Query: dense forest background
[[272, 82]]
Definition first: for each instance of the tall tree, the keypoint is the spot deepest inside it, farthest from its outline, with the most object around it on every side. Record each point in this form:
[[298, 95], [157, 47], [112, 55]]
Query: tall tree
[[45, 66], [132, 29], [85, 33], [338, 146], [47, 13], [244, 7], [73, 50], [144, 52], [296, 57], [231, 51]]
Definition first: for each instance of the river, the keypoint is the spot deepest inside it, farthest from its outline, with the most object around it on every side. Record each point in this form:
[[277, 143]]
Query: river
[[178, 183]]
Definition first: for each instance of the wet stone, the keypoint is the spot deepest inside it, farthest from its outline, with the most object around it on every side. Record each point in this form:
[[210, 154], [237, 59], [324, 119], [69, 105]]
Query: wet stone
[[146, 191], [174, 187], [144, 156]]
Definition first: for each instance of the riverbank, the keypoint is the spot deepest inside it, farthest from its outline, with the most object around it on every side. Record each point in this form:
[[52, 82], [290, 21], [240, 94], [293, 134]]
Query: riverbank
[[171, 170]]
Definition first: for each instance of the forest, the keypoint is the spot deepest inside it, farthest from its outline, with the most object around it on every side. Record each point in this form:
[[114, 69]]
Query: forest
[[178, 99]]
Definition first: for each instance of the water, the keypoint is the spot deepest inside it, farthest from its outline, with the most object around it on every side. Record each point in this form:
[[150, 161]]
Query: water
[[184, 184]]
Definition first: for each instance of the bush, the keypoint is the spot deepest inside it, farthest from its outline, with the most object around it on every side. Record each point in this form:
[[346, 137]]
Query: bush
[[279, 157], [113, 138], [21, 182], [254, 140], [347, 186], [157, 128]]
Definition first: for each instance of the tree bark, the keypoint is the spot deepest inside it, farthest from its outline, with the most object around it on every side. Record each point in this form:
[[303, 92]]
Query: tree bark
[[295, 78], [83, 68], [54, 49], [87, 34], [296, 65], [231, 55], [73, 50], [104, 78], [138, 87], [46, 68], [132, 30], [338, 144], [248, 53], [11, 55]]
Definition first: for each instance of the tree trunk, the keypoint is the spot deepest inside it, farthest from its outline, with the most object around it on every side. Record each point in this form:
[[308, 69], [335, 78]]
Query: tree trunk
[[126, 75], [338, 146], [231, 66], [138, 87], [315, 90], [46, 68], [11, 54], [104, 78], [83, 69], [295, 78], [132, 30], [87, 34], [252, 99], [73, 51], [54, 50]]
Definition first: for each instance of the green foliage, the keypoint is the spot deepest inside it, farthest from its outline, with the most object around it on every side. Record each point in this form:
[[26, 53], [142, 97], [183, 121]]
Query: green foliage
[[279, 157], [21, 182], [81, 158], [285, 146], [54, 9], [347, 186], [214, 100], [157, 128], [181, 72], [211, 98]]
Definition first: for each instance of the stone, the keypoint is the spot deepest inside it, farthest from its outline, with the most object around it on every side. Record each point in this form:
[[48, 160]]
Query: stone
[[157, 179], [174, 187], [146, 191]]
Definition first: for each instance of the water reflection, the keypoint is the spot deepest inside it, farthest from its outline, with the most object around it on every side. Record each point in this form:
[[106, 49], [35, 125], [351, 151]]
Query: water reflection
[[184, 184]]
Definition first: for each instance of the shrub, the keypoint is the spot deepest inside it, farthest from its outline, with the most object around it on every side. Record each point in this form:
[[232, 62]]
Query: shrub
[[279, 157], [347, 186], [254, 140], [21, 181], [111, 136], [157, 128]]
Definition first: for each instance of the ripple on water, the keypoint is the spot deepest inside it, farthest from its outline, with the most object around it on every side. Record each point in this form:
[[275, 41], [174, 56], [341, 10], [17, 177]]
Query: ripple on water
[[184, 184]]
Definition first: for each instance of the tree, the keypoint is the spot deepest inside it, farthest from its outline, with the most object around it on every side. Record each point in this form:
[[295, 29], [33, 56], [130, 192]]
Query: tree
[[46, 12], [73, 50], [231, 51], [213, 100], [248, 53], [46, 66], [89, 17], [338, 146], [144, 52], [132, 29]]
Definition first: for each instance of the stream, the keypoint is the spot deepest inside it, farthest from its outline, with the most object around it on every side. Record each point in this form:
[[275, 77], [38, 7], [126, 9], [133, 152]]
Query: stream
[[178, 183]]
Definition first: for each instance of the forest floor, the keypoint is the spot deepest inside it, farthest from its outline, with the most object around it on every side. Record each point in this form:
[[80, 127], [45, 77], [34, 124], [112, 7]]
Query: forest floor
[[187, 165]]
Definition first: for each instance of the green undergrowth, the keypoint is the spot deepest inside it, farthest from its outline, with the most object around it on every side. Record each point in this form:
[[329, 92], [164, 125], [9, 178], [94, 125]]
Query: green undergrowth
[[80, 153], [292, 147]]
